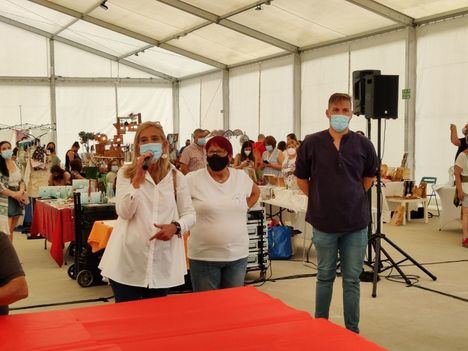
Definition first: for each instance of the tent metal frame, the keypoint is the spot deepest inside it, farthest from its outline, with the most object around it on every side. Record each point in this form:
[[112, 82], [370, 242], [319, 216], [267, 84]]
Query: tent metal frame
[[402, 22]]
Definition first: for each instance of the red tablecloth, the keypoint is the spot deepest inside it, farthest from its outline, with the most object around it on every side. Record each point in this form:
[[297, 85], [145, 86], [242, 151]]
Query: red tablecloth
[[54, 223], [238, 319]]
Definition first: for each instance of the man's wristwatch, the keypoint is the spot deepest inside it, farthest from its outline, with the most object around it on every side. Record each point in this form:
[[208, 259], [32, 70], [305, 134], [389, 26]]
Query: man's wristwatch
[[178, 228]]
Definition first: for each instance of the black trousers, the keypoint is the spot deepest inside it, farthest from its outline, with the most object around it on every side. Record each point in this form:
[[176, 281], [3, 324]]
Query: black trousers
[[123, 293]]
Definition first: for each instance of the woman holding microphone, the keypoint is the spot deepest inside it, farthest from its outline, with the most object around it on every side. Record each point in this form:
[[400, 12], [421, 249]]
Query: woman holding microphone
[[145, 254]]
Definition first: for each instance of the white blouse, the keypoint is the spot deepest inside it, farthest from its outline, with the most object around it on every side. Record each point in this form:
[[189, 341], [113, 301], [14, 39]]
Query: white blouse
[[15, 177], [130, 257]]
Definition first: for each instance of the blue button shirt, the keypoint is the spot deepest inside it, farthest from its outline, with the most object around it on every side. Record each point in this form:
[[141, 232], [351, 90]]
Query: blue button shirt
[[337, 198]]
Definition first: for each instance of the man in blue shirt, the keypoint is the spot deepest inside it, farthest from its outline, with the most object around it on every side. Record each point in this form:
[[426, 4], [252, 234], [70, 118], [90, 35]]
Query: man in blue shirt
[[335, 168]]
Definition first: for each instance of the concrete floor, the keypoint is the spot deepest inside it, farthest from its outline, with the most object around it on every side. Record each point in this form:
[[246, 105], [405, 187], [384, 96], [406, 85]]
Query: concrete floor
[[399, 318]]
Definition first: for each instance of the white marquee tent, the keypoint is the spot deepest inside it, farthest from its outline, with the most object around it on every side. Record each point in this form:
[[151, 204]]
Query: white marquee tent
[[261, 66]]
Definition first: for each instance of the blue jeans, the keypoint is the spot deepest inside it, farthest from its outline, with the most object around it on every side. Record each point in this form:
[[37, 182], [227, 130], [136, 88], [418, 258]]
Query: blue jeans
[[123, 292], [352, 248], [212, 275]]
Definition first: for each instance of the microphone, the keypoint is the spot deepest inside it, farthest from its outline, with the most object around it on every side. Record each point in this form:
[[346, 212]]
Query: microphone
[[146, 163]]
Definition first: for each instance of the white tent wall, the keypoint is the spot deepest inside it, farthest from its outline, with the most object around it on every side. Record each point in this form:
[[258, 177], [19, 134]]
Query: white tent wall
[[201, 104], [22, 53], [276, 98], [324, 72], [442, 76], [33, 99], [153, 102], [212, 101], [244, 99], [85, 64], [73, 62], [329, 70], [189, 108], [83, 108], [386, 53], [35, 108]]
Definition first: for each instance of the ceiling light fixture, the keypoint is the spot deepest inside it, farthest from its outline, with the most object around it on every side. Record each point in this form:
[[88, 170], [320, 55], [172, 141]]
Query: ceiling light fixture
[[258, 8], [103, 5]]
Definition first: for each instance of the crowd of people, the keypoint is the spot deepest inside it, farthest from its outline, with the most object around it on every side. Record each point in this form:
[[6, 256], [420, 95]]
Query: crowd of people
[[157, 204], [208, 192]]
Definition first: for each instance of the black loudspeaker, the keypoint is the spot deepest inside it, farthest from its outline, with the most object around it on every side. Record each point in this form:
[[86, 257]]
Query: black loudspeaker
[[359, 90], [381, 96]]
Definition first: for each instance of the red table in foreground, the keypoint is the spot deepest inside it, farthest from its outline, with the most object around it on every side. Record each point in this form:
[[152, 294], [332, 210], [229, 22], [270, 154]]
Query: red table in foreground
[[55, 223], [232, 319]]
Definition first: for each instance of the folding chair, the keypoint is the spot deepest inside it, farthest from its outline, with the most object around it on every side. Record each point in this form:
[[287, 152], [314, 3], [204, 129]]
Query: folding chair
[[432, 181]]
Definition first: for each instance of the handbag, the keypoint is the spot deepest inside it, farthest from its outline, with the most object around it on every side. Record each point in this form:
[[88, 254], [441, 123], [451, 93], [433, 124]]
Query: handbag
[[279, 243], [456, 200]]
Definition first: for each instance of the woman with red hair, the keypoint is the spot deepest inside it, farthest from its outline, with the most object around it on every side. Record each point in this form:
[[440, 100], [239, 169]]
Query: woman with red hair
[[219, 242]]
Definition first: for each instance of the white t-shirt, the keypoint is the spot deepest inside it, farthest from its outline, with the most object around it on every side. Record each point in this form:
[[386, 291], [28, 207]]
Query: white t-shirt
[[462, 162], [220, 233]]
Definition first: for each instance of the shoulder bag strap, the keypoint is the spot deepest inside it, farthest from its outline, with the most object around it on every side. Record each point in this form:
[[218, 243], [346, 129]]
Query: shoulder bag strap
[[174, 183]]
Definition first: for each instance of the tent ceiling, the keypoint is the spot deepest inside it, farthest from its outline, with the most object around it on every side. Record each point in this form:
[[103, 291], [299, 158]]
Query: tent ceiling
[[309, 22], [101, 38], [148, 17], [422, 8], [224, 45], [192, 36]]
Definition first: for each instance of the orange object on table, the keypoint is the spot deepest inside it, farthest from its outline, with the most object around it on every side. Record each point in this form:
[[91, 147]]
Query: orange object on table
[[100, 234], [238, 319]]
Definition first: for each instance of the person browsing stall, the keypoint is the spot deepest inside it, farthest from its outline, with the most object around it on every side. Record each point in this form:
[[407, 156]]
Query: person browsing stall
[[52, 157], [76, 169], [272, 158], [71, 155], [245, 158], [461, 143], [335, 169], [145, 255], [59, 176], [194, 156], [219, 242], [258, 150], [289, 164], [461, 184], [12, 190], [112, 169]]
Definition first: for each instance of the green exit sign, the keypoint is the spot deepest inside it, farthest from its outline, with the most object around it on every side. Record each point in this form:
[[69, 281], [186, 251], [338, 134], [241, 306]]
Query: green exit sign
[[405, 94]]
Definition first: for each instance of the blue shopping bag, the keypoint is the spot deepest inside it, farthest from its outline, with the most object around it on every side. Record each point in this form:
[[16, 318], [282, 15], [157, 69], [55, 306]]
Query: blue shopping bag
[[279, 243]]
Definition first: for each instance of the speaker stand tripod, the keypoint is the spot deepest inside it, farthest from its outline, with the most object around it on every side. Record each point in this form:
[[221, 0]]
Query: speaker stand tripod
[[376, 238]]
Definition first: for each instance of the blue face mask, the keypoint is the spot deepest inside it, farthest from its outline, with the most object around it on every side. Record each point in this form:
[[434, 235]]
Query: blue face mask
[[6, 154], [339, 123], [269, 148], [155, 148], [201, 141], [114, 168]]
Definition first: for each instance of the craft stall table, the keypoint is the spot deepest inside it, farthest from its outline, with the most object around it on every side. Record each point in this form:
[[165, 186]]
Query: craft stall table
[[407, 202], [241, 319], [53, 220]]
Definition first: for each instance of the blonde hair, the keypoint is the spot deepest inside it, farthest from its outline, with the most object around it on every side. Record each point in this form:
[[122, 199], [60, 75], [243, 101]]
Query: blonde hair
[[292, 143], [163, 163]]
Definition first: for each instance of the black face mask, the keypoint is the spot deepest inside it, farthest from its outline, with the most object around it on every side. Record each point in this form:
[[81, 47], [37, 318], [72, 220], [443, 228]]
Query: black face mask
[[217, 163], [51, 149]]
